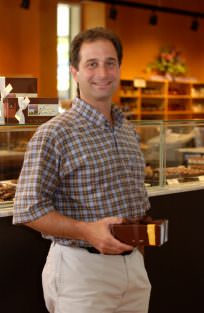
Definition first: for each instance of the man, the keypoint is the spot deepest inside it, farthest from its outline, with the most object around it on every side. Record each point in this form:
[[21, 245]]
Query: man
[[83, 170]]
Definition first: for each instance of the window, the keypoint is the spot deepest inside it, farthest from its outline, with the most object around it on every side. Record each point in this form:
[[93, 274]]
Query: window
[[68, 25]]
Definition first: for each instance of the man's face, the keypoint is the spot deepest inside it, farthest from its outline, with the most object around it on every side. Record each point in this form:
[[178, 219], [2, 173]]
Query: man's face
[[98, 72]]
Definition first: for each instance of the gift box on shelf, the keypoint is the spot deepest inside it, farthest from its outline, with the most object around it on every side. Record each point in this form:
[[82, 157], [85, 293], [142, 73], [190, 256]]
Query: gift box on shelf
[[24, 110], [21, 86], [152, 233]]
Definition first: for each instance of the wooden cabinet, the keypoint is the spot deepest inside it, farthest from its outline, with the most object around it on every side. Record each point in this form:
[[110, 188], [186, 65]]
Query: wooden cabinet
[[164, 100]]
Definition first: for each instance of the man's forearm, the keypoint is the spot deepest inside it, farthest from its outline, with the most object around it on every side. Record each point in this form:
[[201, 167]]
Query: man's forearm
[[95, 233], [58, 225]]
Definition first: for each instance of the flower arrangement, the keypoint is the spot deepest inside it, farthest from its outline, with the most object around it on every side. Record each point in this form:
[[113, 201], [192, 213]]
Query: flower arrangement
[[168, 63]]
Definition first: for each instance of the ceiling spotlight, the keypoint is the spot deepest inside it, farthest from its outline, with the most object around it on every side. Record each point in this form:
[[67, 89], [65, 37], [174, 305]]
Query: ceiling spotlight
[[113, 13], [153, 20], [195, 25], [25, 4]]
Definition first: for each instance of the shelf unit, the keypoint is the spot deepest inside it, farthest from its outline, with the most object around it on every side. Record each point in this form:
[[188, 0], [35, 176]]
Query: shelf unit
[[164, 100]]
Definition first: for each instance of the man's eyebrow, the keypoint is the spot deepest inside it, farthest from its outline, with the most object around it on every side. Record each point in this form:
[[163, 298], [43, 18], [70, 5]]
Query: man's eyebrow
[[91, 60], [112, 59], [95, 59]]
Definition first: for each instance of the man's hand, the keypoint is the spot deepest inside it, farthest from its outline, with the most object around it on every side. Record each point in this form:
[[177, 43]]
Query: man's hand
[[98, 234]]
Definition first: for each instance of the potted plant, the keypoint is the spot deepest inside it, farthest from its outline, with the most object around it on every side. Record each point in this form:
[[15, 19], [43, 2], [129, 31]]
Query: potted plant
[[168, 64]]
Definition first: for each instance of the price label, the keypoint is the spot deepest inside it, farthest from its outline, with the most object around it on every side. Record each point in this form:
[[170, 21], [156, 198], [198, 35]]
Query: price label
[[173, 181]]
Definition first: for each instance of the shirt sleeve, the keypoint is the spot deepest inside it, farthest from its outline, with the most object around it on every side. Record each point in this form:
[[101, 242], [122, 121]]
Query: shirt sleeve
[[38, 179]]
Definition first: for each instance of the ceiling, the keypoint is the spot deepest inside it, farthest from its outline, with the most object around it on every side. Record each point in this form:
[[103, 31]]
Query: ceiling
[[192, 5], [189, 5]]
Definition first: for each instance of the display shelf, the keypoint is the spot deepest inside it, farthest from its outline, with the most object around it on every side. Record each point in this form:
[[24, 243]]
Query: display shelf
[[162, 99], [152, 113], [198, 113], [179, 97], [176, 112], [153, 96], [17, 128]]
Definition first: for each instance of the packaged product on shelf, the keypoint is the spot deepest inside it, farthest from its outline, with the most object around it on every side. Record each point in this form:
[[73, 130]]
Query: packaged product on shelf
[[21, 86], [22, 110]]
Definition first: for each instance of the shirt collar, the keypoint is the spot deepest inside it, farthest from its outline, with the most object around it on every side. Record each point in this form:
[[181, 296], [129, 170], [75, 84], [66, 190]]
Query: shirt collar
[[96, 117]]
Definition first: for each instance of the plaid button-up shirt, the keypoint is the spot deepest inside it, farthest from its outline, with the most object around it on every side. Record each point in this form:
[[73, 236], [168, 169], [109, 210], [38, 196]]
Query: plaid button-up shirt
[[84, 168]]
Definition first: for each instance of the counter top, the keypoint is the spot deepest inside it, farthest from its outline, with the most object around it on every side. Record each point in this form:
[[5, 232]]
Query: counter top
[[192, 150], [10, 153], [7, 208], [177, 188]]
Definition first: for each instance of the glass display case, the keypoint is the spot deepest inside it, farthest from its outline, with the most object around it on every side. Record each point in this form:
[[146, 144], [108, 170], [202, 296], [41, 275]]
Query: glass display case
[[13, 141], [173, 152]]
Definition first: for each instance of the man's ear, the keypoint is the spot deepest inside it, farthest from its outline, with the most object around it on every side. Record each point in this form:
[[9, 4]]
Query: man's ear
[[74, 72]]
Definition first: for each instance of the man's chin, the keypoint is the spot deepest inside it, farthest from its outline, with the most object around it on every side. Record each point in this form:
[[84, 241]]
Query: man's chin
[[103, 98], [102, 95]]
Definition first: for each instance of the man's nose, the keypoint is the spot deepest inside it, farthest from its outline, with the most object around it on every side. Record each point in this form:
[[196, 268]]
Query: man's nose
[[102, 70]]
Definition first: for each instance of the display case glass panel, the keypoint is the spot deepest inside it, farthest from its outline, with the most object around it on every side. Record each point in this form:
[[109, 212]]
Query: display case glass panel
[[184, 152], [13, 142], [151, 136], [173, 152]]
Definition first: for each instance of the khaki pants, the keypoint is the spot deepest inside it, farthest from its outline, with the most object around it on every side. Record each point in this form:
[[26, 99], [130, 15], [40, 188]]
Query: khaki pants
[[77, 281]]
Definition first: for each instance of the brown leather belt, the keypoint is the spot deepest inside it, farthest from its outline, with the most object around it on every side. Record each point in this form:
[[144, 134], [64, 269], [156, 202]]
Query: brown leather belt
[[94, 250]]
